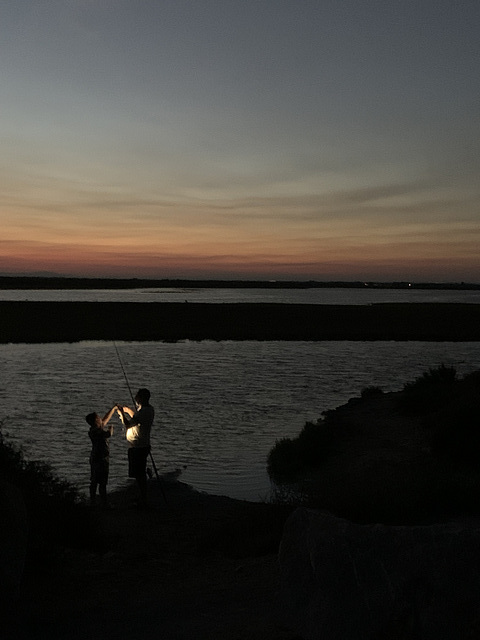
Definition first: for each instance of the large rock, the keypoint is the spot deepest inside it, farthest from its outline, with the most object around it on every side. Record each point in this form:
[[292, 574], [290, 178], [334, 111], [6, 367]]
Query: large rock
[[13, 542], [353, 582]]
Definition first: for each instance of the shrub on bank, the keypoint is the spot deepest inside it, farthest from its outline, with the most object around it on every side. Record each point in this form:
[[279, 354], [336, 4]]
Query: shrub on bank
[[451, 410], [312, 445], [456, 425], [456, 433], [57, 513], [440, 475], [371, 392], [433, 389]]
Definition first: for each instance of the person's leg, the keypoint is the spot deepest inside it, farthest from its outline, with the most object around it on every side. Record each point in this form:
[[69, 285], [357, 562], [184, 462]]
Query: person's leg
[[103, 493], [93, 483], [132, 461], [93, 492], [141, 475]]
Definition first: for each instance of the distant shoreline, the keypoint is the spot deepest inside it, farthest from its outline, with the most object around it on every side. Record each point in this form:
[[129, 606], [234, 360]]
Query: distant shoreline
[[38, 322], [53, 282]]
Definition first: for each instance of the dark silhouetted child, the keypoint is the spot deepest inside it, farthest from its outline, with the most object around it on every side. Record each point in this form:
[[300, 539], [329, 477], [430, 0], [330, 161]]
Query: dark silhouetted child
[[100, 454]]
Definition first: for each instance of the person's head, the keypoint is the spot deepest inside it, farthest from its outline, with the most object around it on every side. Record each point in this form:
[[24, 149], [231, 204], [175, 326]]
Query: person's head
[[142, 397], [94, 420]]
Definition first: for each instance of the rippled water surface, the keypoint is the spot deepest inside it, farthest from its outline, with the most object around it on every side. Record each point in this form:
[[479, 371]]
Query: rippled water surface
[[368, 295], [220, 406]]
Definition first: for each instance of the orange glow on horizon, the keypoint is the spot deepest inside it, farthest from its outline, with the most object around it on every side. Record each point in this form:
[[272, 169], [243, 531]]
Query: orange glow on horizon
[[389, 261], [262, 238]]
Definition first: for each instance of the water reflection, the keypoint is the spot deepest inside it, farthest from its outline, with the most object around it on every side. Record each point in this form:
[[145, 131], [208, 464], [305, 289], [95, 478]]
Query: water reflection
[[283, 296], [220, 406]]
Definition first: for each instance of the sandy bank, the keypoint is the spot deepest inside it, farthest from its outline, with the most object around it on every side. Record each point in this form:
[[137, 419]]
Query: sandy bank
[[74, 321]]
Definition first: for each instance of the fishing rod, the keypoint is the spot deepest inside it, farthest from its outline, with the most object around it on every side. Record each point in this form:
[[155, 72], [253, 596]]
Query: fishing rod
[[135, 404], [124, 373]]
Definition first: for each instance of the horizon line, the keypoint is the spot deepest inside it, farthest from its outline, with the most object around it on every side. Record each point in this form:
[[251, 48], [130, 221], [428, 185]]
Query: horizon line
[[233, 282]]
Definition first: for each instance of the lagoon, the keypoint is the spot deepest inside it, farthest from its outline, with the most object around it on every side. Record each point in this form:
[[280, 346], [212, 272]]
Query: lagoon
[[220, 406], [327, 296]]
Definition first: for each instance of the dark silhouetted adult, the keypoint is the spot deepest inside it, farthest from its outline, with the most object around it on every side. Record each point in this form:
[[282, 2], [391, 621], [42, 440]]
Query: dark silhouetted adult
[[138, 425]]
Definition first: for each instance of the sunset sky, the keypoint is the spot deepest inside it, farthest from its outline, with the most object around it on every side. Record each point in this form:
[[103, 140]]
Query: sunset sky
[[262, 139]]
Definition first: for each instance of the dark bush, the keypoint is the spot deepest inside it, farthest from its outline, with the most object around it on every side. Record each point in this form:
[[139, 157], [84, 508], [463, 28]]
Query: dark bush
[[456, 434], [371, 392], [456, 431], [470, 383], [283, 460], [309, 449], [434, 481], [57, 513], [314, 442], [431, 391]]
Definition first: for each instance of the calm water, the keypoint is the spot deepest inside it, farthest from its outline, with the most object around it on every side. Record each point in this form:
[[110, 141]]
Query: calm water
[[285, 296], [220, 405]]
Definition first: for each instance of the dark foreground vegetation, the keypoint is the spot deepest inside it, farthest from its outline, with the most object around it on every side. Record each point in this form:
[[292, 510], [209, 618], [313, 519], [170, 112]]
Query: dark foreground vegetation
[[37, 322], [405, 457], [206, 566], [59, 516], [57, 511], [190, 566]]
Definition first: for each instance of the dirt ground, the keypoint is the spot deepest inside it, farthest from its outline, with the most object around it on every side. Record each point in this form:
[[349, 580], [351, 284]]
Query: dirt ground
[[191, 566]]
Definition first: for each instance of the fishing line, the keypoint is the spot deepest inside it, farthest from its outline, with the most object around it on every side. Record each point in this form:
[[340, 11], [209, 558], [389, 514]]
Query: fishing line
[[135, 404], [124, 374]]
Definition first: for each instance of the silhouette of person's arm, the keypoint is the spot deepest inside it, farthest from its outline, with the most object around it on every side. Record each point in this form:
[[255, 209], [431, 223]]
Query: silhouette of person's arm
[[125, 414], [107, 417]]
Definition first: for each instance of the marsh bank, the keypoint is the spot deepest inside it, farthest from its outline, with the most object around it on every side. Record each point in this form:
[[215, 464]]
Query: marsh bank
[[36, 322]]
